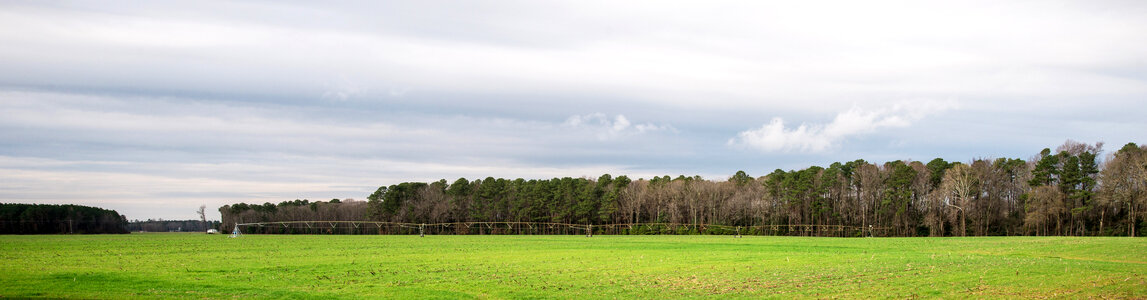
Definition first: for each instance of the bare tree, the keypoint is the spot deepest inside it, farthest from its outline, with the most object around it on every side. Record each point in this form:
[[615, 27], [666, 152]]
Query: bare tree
[[959, 185], [1124, 181], [1043, 205], [871, 184], [203, 214]]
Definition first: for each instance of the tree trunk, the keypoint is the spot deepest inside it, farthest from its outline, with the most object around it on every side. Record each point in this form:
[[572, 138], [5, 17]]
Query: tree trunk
[[1101, 213], [963, 220], [941, 227]]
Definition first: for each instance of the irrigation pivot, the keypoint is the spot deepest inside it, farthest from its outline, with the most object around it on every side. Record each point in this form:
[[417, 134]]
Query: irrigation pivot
[[548, 228]]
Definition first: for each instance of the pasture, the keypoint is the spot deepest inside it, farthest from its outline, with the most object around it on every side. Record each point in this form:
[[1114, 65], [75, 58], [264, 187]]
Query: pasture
[[568, 267]]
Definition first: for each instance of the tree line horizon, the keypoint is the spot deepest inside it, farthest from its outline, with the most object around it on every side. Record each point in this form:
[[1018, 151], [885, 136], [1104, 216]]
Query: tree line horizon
[[23, 218], [1068, 191]]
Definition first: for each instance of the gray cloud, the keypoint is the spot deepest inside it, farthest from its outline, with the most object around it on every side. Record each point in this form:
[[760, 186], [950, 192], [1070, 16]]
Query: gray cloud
[[150, 107]]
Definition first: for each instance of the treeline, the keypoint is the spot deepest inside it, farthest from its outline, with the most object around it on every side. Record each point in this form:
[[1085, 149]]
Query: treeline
[[297, 210], [162, 225], [1069, 191], [16, 218]]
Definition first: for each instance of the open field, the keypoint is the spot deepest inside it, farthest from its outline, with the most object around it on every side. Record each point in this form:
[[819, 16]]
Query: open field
[[334, 266]]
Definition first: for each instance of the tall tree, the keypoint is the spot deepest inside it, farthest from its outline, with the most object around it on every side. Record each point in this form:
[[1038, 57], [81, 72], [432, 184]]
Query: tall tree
[[959, 185], [1044, 205], [740, 178], [202, 214], [1124, 183], [936, 167], [375, 210], [898, 195], [1046, 171]]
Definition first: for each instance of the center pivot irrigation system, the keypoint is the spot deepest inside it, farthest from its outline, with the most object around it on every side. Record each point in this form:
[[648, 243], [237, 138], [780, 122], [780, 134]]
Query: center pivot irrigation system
[[531, 228]]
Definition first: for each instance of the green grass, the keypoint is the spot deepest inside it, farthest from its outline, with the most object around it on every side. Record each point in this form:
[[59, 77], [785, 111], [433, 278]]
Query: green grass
[[568, 267]]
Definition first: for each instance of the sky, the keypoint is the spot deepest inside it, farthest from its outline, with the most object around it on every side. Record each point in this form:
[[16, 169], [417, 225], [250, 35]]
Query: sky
[[154, 108]]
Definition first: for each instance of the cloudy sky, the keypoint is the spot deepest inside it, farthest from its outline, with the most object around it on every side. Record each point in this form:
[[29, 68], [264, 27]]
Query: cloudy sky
[[153, 108]]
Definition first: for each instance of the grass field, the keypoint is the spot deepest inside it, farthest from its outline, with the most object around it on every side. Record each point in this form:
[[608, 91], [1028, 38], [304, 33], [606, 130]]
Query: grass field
[[326, 266]]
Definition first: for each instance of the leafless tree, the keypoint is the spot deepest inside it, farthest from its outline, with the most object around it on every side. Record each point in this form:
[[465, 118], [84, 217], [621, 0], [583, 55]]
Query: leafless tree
[[959, 185], [1044, 207], [203, 214], [1124, 183]]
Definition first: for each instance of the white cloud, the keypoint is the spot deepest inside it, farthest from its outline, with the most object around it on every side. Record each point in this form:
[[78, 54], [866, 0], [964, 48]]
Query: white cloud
[[775, 137], [607, 128]]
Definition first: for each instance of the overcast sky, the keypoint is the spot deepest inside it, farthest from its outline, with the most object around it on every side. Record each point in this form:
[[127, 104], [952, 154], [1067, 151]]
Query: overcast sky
[[154, 108]]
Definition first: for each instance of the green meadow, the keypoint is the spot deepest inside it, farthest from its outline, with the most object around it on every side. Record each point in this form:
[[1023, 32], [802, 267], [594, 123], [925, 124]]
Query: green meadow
[[568, 267]]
